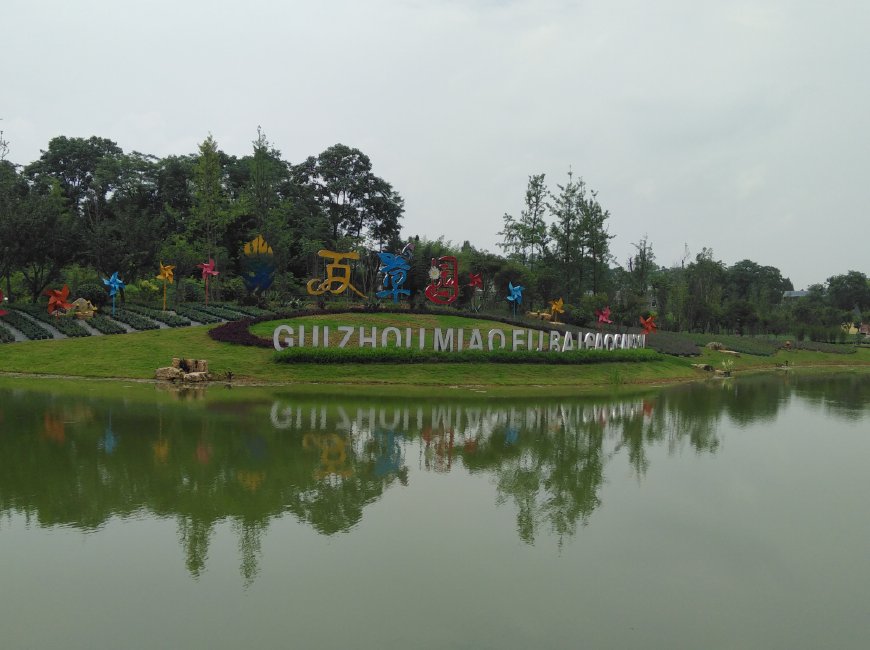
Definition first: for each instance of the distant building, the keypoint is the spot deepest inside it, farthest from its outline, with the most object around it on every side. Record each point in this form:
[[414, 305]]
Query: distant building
[[864, 329], [794, 294]]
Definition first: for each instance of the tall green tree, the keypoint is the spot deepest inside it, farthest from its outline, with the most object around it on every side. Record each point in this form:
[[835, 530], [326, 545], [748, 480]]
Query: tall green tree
[[210, 214]]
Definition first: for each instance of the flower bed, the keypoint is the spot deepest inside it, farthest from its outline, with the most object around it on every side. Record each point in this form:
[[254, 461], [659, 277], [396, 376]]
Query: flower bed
[[6, 335], [170, 319], [134, 320], [197, 315], [64, 324], [31, 330], [106, 325]]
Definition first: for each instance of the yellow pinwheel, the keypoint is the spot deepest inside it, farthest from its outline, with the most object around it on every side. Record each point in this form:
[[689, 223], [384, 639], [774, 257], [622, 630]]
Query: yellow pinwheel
[[168, 277], [556, 308]]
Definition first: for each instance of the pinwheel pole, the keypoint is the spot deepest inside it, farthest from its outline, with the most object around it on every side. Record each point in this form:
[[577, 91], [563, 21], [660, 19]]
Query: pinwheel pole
[[167, 275]]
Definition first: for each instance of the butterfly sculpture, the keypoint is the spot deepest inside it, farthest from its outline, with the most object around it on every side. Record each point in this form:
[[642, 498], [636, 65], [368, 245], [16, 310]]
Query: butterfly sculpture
[[3, 312], [557, 307], [207, 270], [603, 315], [649, 324], [168, 276], [115, 284], [515, 296], [57, 300]]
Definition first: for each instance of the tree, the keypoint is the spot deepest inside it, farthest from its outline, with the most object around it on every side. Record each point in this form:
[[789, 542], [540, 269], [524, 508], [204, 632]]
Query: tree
[[848, 291], [569, 242], [210, 215]]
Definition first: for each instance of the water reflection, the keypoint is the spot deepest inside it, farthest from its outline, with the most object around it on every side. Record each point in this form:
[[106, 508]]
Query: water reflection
[[205, 457]]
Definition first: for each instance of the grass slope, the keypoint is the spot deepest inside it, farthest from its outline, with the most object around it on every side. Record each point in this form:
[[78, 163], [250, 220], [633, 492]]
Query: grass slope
[[137, 355]]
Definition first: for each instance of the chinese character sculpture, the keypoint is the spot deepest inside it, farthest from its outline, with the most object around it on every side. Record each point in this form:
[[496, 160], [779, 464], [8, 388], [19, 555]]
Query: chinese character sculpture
[[337, 275], [443, 288], [395, 269]]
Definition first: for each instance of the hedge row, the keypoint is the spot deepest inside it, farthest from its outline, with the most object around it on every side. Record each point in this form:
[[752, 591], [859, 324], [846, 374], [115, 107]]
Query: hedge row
[[414, 355], [767, 346], [197, 315], [6, 336], [67, 325], [105, 325], [818, 346], [247, 310], [170, 319], [31, 330], [134, 320], [223, 313]]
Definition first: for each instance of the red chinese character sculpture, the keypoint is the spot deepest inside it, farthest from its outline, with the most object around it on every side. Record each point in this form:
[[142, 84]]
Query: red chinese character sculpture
[[444, 288]]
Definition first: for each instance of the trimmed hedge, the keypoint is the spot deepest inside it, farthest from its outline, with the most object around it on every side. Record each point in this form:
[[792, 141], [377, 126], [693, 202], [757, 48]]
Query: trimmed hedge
[[413, 355], [6, 336], [197, 315], [672, 343], [134, 320], [745, 344], [818, 346], [105, 325], [31, 330], [247, 310], [170, 319], [221, 312], [67, 325]]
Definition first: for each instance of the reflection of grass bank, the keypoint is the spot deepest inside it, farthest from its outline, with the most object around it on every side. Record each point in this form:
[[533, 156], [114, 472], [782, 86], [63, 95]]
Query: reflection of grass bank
[[137, 355]]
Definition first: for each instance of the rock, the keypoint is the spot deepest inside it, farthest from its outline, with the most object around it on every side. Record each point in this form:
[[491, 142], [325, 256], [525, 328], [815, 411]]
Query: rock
[[731, 352], [176, 362], [195, 377], [169, 374], [714, 345], [703, 366]]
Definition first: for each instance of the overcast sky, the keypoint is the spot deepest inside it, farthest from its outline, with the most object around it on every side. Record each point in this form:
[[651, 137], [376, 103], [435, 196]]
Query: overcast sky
[[738, 126]]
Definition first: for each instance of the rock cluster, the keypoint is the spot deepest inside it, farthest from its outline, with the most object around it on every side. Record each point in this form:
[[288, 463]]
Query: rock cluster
[[190, 370]]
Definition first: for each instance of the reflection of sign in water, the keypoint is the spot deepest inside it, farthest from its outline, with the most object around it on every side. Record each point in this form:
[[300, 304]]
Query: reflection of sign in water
[[333, 454], [337, 275]]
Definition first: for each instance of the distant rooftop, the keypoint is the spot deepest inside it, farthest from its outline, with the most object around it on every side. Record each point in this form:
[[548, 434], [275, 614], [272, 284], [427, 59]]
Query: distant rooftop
[[795, 294]]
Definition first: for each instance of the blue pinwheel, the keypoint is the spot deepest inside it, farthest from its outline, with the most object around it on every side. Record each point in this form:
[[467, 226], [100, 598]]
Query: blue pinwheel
[[114, 283], [515, 297]]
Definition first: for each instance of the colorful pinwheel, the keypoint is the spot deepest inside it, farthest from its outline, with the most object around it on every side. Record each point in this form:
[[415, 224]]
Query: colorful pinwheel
[[207, 270], [57, 299], [3, 312], [557, 307], [168, 276], [649, 324], [603, 315], [515, 297], [114, 283]]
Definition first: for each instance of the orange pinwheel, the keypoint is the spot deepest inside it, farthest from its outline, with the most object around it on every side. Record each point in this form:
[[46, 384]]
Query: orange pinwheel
[[57, 299], [649, 324]]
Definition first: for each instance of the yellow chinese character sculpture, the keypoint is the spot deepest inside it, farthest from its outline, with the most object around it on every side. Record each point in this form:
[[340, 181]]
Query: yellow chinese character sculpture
[[337, 275]]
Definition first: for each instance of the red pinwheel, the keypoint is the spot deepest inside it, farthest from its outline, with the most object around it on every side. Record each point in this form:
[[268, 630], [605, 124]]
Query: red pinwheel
[[207, 270], [475, 281], [603, 315], [57, 299], [649, 324], [3, 312]]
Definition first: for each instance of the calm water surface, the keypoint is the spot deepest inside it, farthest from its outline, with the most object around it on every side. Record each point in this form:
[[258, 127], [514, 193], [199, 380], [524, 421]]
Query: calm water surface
[[725, 515]]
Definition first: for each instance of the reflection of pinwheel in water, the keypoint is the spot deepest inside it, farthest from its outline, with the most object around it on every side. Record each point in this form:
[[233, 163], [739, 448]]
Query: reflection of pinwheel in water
[[649, 324], [57, 299], [475, 281], [109, 441], [3, 312], [168, 276], [556, 307], [114, 283], [207, 270], [515, 297], [603, 316], [511, 435]]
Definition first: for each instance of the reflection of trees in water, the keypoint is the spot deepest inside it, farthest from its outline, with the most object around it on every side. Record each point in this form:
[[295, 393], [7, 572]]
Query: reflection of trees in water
[[203, 462]]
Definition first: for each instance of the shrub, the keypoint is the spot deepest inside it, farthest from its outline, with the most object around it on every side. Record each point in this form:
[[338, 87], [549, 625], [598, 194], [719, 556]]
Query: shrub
[[170, 319], [414, 355], [197, 315], [6, 335], [136, 321], [96, 293], [66, 325]]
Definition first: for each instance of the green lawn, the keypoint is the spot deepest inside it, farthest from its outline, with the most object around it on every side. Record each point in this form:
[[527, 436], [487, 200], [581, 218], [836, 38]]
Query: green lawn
[[137, 355]]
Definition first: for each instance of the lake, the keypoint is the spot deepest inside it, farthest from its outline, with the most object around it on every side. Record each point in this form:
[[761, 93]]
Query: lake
[[725, 514]]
